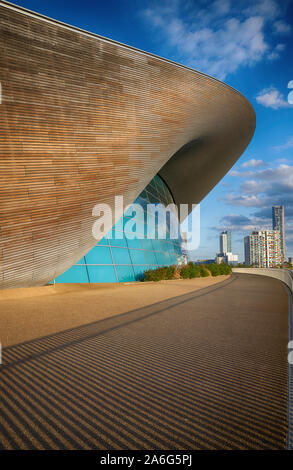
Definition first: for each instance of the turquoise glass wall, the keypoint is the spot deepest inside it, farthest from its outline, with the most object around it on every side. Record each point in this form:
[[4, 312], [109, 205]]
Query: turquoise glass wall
[[125, 260]]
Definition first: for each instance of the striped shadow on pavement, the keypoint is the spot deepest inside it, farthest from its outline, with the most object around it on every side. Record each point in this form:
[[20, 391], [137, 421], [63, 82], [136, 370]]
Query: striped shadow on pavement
[[206, 370]]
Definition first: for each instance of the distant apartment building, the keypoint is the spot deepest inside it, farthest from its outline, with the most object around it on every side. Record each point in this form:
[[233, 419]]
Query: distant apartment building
[[278, 220], [226, 242], [226, 255], [262, 249]]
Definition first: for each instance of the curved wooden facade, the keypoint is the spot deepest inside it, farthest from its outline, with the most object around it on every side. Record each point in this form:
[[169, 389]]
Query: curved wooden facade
[[83, 119]]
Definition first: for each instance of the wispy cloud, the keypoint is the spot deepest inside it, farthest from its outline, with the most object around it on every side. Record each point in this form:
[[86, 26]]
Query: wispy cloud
[[282, 160], [242, 174], [245, 200], [252, 187], [261, 220], [242, 223], [282, 27], [267, 8], [221, 38], [276, 52], [253, 163], [286, 146], [272, 98], [266, 188]]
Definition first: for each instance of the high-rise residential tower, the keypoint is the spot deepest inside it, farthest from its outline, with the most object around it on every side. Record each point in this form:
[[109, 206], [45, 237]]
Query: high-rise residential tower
[[279, 224], [226, 242], [263, 249], [226, 255]]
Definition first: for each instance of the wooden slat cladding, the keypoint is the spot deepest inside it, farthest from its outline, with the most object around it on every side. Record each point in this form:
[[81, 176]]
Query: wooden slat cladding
[[82, 120]]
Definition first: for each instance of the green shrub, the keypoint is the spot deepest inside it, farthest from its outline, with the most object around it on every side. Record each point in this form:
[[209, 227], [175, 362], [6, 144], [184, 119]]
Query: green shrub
[[203, 271], [168, 272], [189, 271], [219, 269], [151, 275], [214, 269], [226, 268], [185, 272], [160, 274]]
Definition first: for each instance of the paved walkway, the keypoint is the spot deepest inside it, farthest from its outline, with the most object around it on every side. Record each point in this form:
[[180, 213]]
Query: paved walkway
[[30, 313], [204, 370]]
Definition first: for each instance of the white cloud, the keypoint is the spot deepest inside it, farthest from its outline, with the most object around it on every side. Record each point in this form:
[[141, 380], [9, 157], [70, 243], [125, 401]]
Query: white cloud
[[240, 223], [253, 163], [280, 47], [241, 173], [221, 6], [276, 52], [244, 200], [267, 187], [266, 8], [282, 160], [219, 39], [286, 146], [272, 98], [283, 174], [252, 186], [282, 27]]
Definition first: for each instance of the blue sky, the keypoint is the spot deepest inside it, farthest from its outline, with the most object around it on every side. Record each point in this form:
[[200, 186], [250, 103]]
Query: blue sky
[[247, 44]]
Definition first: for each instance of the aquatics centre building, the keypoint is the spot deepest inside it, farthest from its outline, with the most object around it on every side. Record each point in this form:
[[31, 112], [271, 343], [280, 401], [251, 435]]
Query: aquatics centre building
[[84, 118]]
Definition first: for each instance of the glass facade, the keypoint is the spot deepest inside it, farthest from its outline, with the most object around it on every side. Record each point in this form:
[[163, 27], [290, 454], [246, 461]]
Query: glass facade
[[124, 259]]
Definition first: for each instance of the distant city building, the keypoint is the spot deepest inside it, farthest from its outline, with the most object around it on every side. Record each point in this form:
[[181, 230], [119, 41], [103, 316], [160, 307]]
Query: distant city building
[[228, 258], [262, 249], [226, 255], [278, 220], [290, 260], [226, 242]]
